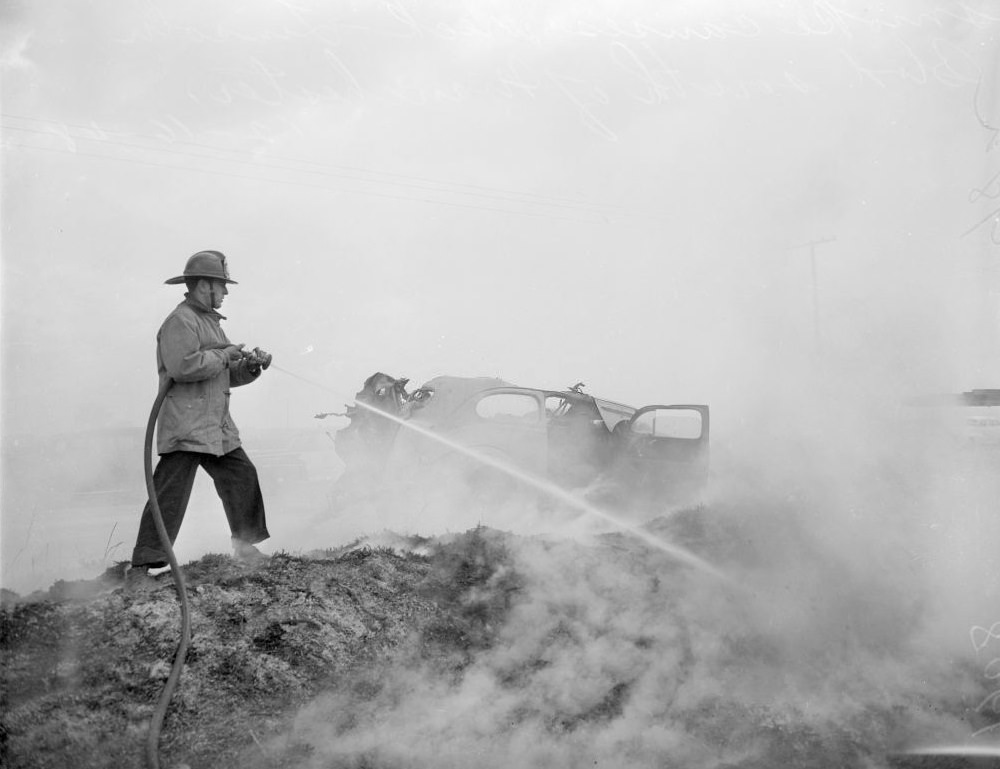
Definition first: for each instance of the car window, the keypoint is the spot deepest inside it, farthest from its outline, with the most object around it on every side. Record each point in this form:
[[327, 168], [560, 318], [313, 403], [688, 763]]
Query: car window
[[669, 423], [509, 407]]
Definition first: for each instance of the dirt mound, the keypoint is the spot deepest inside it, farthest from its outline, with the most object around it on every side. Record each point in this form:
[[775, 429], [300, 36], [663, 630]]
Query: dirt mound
[[85, 662], [482, 647]]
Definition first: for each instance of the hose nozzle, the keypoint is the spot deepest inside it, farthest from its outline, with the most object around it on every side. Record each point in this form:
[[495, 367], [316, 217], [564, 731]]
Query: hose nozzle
[[257, 358]]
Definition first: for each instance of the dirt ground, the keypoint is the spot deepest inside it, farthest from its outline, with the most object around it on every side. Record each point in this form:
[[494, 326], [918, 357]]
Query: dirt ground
[[481, 648]]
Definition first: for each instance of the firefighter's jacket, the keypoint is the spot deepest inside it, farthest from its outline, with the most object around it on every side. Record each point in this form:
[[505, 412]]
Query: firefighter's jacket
[[195, 413]]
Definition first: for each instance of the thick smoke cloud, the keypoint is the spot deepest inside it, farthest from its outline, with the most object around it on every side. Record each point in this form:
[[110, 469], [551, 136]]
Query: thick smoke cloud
[[856, 559], [612, 655], [784, 211]]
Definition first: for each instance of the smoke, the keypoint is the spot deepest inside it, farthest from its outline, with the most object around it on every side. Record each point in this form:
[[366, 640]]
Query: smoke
[[611, 655], [860, 530], [857, 555], [624, 193]]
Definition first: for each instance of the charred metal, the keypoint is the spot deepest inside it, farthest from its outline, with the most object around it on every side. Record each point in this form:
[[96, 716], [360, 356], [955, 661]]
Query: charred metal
[[608, 450]]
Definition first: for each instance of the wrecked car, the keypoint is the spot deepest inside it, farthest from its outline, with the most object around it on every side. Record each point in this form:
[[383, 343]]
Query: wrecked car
[[488, 437]]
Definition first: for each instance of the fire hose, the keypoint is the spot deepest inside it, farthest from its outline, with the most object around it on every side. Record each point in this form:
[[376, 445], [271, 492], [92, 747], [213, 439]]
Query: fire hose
[[255, 357], [262, 359], [156, 724]]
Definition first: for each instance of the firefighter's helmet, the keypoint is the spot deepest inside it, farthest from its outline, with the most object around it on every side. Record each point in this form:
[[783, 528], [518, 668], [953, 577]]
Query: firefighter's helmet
[[205, 264]]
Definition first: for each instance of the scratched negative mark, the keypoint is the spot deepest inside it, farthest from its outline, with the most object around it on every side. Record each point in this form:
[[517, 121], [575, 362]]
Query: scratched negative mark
[[983, 639]]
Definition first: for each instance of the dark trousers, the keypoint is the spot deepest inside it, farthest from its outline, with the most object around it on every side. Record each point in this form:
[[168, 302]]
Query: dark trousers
[[236, 482]]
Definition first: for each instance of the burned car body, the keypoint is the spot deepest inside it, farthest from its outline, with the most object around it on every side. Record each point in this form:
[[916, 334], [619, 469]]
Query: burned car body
[[486, 436]]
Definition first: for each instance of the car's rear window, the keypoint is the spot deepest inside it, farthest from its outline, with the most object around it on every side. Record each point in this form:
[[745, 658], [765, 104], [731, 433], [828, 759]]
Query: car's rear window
[[509, 407]]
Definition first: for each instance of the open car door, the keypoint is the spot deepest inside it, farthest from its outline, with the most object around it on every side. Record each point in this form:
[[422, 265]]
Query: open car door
[[663, 453]]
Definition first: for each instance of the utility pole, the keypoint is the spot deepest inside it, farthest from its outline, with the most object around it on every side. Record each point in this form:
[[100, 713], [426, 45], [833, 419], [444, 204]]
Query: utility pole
[[815, 282]]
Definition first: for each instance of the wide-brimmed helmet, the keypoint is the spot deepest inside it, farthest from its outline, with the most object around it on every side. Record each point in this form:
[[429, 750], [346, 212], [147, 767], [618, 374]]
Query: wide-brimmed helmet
[[205, 264]]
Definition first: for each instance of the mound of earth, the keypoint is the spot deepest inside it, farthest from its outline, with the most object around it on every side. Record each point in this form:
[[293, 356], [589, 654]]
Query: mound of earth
[[480, 648], [85, 662]]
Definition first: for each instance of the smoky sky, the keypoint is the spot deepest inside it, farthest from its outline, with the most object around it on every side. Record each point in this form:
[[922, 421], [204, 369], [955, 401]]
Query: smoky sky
[[622, 194]]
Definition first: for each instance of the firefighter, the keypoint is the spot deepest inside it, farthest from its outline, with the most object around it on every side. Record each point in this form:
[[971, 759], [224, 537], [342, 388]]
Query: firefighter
[[194, 428]]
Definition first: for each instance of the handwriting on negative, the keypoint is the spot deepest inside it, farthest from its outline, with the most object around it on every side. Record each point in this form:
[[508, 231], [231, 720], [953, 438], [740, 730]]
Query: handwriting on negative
[[986, 642]]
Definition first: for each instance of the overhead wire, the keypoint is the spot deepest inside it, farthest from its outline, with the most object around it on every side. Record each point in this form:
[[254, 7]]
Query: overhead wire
[[510, 201], [255, 162], [379, 176], [409, 198]]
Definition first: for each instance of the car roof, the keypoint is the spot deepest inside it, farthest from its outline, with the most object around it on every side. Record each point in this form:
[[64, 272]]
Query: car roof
[[450, 392]]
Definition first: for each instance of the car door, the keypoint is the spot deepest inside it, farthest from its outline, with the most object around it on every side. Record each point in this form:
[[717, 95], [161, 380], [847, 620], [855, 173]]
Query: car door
[[577, 439], [505, 425], [662, 452]]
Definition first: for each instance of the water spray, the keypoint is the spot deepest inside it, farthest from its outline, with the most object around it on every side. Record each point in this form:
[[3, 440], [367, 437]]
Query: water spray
[[540, 484], [259, 359], [953, 753]]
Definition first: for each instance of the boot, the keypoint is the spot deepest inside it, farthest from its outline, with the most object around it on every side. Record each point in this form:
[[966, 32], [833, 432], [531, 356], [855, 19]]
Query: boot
[[138, 580], [247, 553]]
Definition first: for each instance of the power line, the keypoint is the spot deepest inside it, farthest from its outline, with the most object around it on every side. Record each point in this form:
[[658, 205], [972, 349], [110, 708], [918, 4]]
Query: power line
[[322, 169], [320, 164], [325, 188], [274, 166]]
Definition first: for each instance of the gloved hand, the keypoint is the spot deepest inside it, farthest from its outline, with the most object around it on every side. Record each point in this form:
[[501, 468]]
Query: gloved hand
[[234, 352]]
